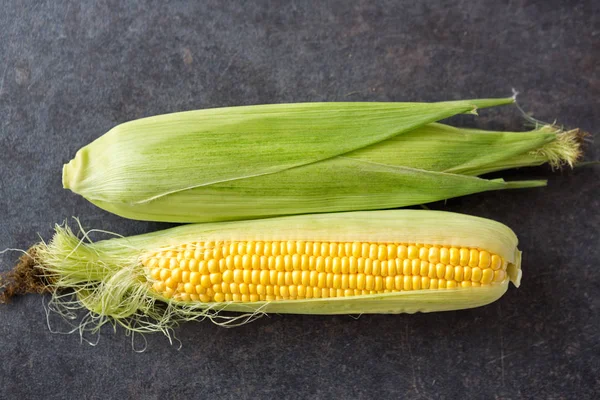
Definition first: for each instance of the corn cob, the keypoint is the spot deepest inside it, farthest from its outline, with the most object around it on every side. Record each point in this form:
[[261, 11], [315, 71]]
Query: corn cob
[[399, 261], [257, 161]]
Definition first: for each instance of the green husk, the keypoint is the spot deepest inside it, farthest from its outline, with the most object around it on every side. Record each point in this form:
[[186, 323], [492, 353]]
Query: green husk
[[109, 281], [251, 162]]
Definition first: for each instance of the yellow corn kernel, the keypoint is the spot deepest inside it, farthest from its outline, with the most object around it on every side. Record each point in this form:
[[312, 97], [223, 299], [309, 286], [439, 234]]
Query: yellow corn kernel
[[329, 280], [382, 252], [406, 267], [424, 270], [176, 274], [454, 256], [433, 255], [164, 274], [337, 281], [234, 288], [473, 258], [440, 270], [496, 262], [467, 271], [484, 259], [383, 267], [398, 282], [413, 252], [170, 283], [345, 281], [254, 276], [352, 281], [322, 280], [343, 265], [458, 273], [423, 253], [159, 286], [389, 283], [391, 251], [372, 251], [415, 267], [189, 288], [499, 275], [416, 283], [336, 265], [213, 265], [225, 287], [301, 291], [444, 256], [402, 252], [487, 276], [243, 288], [320, 264], [464, 257], [432, 273], [378, 283], [376, 268], [324, 250], [348, 249], [449, 274], [219, 297]]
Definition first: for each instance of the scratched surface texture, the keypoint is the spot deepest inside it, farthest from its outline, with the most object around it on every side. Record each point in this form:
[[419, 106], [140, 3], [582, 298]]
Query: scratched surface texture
[[69, 71]]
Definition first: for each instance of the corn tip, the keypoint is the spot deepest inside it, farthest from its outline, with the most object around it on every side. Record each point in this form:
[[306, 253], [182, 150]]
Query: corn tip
[[514, 270]]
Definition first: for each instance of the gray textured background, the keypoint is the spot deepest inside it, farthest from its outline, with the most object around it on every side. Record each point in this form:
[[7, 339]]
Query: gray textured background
[[69, 71]]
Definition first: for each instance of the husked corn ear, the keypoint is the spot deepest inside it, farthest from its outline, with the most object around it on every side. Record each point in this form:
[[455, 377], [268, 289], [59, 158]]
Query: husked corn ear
[[397, 261], [250, 162], [248, 271]]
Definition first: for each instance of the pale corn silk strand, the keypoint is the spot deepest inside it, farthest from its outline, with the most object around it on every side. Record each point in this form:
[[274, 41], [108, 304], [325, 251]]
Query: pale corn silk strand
[[109, 285]]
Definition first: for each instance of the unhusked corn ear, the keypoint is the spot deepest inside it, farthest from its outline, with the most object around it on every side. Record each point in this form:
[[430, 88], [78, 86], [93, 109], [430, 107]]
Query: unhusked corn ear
[[392, 261], [257, 161]]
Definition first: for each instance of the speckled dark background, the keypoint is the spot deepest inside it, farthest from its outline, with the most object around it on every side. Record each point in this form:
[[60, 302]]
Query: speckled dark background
[[69, 71]]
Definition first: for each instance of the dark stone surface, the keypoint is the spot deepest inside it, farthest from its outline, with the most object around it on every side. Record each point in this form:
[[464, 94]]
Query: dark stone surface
[[69, 71]]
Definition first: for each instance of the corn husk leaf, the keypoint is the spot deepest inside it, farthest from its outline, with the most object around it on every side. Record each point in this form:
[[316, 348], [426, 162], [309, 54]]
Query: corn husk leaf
[[332, 185]]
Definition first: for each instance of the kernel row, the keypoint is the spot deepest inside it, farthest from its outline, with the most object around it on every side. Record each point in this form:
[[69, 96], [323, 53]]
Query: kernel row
[[374, 251], [298, 264], [361, 285], [325, 279], [292, 292]]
